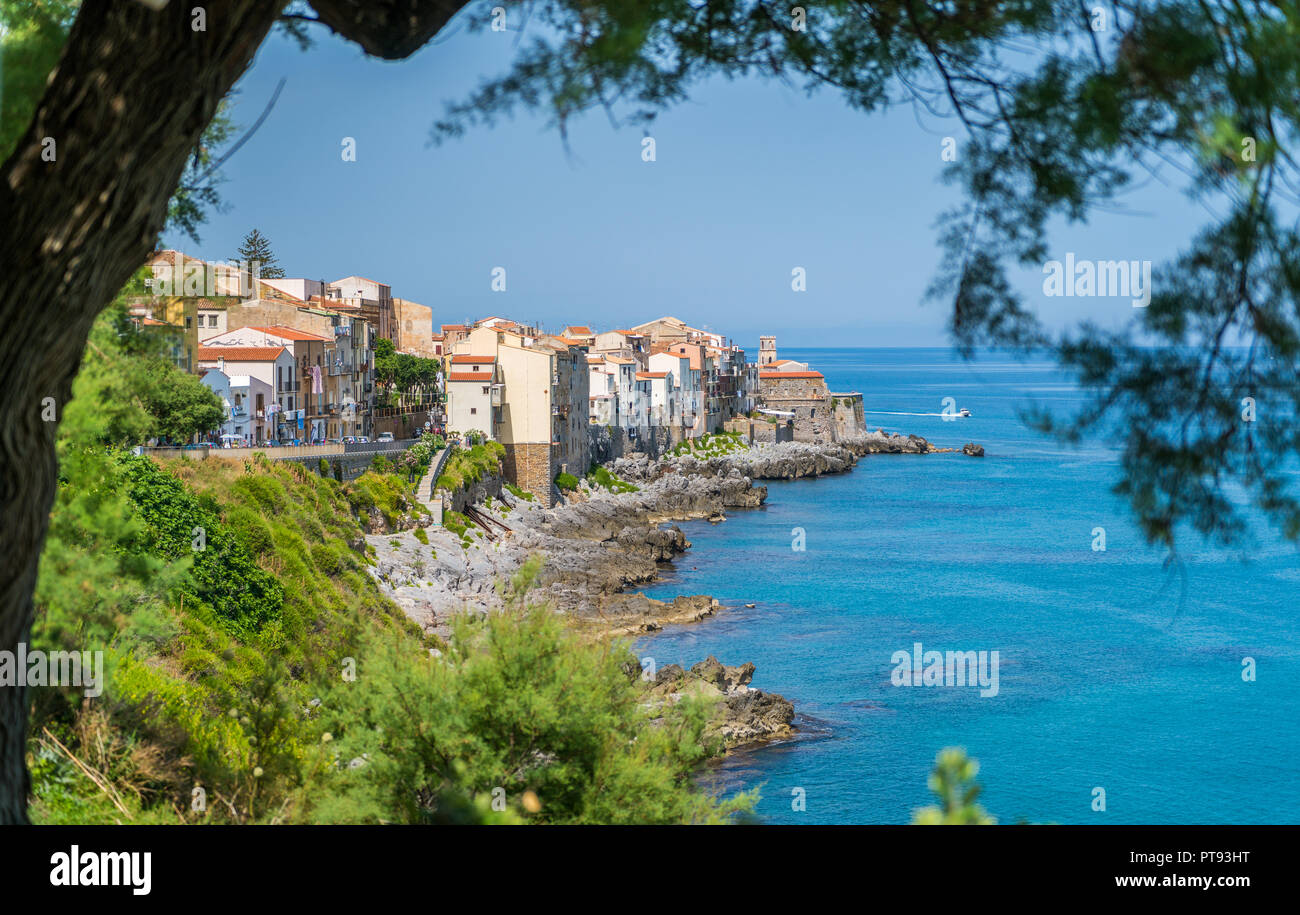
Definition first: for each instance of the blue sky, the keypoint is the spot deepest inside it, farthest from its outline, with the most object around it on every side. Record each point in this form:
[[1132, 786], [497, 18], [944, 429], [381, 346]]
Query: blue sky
[[752, 179]]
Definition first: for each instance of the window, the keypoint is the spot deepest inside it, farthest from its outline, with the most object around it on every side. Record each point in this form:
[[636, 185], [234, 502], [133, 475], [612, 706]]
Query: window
[[473, 411], [212, 320], [486, 389]]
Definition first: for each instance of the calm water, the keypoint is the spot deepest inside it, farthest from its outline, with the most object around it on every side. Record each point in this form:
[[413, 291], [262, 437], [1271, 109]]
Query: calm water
[[1115, 671]]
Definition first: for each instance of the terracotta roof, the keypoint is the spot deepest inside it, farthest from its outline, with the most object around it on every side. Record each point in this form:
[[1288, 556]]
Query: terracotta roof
[[779, 375], [470, 376], [581, 330], [619, 360], [447, 327], [240, 353], [652, 374], [464, 358], [289, 333]]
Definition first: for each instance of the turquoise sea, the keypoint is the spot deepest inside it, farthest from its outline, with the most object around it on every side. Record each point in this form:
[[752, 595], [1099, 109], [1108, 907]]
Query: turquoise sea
[[1117, 671]]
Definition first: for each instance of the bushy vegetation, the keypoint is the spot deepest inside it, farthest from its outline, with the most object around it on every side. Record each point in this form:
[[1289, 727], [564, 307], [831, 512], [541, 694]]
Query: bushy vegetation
[[466, 466], [566, 482], [458, 524], [127, 374], [601, 477], [519, 493], [415, 460], [390, 495], [215, 642], [517, 721], [953, 782], [706, 446], [403, 379]]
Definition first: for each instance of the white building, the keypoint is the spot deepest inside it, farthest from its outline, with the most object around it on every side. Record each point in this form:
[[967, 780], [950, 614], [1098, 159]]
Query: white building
[[470, 400], [249, 403]]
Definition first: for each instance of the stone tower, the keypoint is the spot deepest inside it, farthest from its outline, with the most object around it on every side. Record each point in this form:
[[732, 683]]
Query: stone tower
[[766, 350]]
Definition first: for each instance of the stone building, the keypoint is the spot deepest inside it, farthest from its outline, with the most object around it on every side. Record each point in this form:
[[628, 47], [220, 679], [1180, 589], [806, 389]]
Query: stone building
[[819, 414], [413, 325], [544, 407]]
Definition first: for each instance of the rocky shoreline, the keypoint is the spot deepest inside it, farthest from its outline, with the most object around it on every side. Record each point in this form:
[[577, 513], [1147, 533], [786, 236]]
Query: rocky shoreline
[[599, 543]]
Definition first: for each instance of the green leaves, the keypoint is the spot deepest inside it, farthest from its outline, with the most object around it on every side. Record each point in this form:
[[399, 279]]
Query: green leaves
[[953, 782], [517, 720], [32, 36], [224, 574]]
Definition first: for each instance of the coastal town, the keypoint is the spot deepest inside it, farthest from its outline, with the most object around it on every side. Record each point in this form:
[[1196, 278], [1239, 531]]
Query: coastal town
[[293, 361]]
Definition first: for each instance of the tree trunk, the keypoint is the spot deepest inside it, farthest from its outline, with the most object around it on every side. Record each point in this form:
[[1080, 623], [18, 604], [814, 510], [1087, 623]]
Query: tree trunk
[[123, 110], [84, 197]]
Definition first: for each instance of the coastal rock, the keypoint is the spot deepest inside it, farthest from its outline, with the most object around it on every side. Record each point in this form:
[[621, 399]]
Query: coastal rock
[[973, 449], [744, 715], [880, 442], [598, 544]]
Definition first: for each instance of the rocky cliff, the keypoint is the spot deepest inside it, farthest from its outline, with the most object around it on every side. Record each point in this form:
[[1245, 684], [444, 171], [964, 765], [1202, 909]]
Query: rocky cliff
[[746, 714]]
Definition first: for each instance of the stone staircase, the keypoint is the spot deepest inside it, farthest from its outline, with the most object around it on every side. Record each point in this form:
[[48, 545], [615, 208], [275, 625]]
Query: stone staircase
[[425, 491]]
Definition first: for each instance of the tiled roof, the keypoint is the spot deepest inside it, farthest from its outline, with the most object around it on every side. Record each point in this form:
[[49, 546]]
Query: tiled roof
[[240, 353], [652, 374], [464, 358], [289, 333], [470, 376], [777, 376], [581, 330]]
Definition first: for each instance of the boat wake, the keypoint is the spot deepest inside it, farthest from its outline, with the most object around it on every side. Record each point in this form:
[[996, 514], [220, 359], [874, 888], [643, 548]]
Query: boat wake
[[961, 415]]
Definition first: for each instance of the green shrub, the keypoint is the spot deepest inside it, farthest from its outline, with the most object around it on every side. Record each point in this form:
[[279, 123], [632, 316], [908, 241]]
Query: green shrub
[[420, 535], [465, 467], [519, 493], [455, 522], [953, 782], [515, 702], [223, 574], [602, 477], [566, 482]]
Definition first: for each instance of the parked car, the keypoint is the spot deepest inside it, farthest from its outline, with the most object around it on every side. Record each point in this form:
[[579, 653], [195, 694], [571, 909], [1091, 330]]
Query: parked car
[[385, 437], [363, 440], [349, 440]]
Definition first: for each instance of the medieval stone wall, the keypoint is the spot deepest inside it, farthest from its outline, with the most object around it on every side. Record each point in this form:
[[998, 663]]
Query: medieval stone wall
[[529, 466]]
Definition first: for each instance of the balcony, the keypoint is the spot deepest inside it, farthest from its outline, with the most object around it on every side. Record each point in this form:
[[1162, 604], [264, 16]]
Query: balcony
[[498, 394]]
